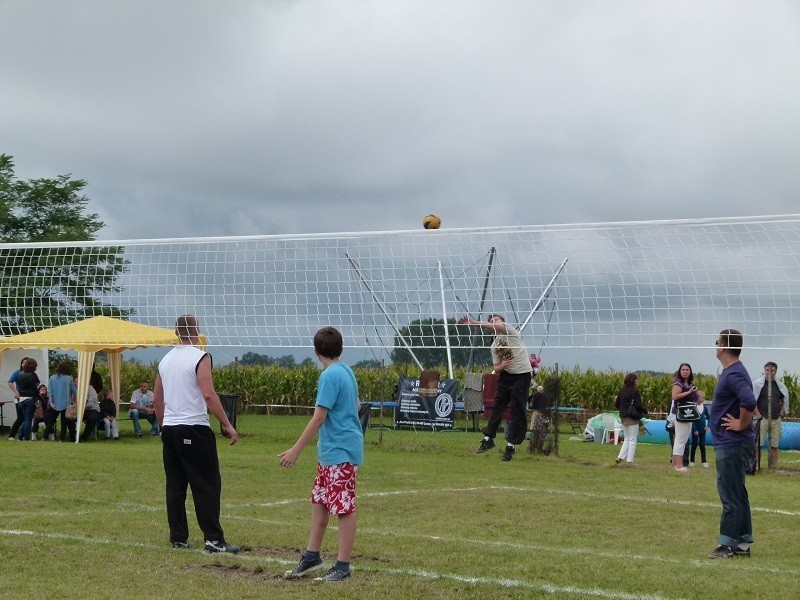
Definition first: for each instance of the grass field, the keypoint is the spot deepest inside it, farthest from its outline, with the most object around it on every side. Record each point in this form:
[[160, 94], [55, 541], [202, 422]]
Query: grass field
[[436, 520]]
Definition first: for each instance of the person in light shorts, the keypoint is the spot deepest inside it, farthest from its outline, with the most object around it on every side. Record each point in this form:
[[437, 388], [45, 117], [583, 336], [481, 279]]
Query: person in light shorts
[[773, 405]]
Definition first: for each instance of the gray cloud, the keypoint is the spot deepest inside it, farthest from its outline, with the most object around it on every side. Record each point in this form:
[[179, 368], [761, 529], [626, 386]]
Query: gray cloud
[[281, 117]]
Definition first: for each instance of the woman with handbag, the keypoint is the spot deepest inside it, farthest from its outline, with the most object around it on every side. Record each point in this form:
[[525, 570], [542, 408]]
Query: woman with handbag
[[684, 405], [631, 411]]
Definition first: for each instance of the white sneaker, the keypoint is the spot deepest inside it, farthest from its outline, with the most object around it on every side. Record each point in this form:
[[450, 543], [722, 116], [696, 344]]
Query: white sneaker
[[691, 464], [705, 465]]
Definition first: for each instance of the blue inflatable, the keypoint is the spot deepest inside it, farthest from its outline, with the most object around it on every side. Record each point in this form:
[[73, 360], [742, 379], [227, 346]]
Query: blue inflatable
[[655, 433]]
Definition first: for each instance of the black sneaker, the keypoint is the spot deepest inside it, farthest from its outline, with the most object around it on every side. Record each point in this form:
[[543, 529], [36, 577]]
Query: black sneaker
[[741, 551], [334, 576], [220, 546], [486, 445], [722, 552], [508, 454], [303, 568], [181, 545]]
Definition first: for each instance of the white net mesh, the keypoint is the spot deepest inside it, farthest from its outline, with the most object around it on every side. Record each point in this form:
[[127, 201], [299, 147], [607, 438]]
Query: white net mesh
[[625, 285]]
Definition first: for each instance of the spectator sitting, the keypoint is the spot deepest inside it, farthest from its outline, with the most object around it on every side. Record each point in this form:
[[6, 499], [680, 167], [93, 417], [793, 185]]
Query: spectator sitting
[[108, 410], [40, 411], [142, 407], [91, 414]]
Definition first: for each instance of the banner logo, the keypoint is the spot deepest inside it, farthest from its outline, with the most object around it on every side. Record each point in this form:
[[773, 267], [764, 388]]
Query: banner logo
[[444, 405]]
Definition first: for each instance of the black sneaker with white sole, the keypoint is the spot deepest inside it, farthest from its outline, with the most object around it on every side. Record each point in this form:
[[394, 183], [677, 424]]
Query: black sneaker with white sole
[[508, 454], [213, 547], [306, 566], [182, 545], [485, 445], [741, 551]]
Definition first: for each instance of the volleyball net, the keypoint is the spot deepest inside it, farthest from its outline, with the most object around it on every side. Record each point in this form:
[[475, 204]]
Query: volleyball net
[[660, 284]]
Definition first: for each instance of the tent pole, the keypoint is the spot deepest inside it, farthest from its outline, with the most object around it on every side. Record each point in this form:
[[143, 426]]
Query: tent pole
[[85, 362]]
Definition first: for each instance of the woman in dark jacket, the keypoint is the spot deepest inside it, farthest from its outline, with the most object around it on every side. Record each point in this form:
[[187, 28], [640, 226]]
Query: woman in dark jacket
[[629, 404], [27, 384], [40, 410]]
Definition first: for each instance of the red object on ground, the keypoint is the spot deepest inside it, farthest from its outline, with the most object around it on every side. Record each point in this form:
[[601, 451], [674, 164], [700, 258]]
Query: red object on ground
[[489, 391]]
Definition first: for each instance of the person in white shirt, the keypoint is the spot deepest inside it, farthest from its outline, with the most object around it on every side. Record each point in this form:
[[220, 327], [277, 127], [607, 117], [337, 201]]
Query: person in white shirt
[[142, 408], [183, 396], [511, 360]]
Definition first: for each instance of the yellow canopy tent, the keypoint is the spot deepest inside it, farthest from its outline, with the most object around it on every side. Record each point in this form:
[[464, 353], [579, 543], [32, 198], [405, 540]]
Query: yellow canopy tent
[[87, 337]]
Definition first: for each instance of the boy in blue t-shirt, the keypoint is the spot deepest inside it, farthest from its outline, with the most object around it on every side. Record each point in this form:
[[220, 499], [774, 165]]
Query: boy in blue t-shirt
[[339, 452]]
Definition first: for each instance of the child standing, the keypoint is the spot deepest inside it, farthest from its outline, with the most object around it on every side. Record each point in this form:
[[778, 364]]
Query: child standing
[[339, 452], [699, 428]]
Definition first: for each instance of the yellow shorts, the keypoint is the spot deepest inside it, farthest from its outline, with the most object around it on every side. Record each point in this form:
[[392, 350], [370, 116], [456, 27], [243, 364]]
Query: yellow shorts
[[774, 432]]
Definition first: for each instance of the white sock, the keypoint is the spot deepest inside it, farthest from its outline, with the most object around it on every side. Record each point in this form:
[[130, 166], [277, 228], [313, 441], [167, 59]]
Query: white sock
[[744, 545]]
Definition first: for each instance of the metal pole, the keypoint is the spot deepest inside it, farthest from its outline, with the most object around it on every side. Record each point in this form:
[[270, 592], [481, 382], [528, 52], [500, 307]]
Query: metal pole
[[444, 318], [383, 310], [492, 253], [544, 295]]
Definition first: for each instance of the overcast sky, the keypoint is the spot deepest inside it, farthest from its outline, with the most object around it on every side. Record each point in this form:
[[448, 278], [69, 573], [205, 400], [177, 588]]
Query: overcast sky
[[246, 117]]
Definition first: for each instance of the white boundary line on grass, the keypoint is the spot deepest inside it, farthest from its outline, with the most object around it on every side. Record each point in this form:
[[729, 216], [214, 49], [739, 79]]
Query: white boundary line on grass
[[769, 511], [552, 491], [504, 582], [742, 565]]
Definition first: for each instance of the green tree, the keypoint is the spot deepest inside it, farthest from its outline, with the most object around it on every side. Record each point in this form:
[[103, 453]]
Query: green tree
[[427, 340], [369, 363], [287, 361], [45, 287], [254, 358]]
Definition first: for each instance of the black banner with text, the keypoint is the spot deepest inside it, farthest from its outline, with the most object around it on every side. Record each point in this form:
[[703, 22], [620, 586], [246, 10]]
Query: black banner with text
[[425, 406]]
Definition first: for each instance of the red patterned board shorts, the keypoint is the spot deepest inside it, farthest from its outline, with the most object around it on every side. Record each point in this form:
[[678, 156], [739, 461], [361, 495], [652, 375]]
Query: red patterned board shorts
[[335, 488]]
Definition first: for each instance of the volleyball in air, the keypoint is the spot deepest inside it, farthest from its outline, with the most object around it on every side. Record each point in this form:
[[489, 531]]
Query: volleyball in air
[[432, 222]]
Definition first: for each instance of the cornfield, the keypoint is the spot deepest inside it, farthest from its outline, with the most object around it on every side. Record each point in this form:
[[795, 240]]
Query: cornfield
[[281, 390]]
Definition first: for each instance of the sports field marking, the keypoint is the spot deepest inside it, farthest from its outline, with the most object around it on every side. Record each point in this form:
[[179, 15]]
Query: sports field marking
[[433, 575], [528, 490], [554, 491], [549, 548], [392, 493]]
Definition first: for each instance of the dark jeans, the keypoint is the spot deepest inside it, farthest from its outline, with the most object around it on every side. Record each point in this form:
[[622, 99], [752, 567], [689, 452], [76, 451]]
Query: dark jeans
[[66, 424], [90, 418], [699, 440], [735, 525], [190, 459], [511, 389], [28, 407], [19, 421]]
